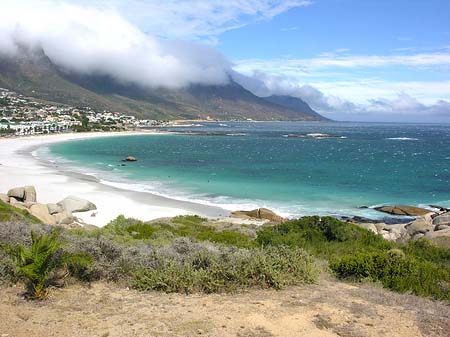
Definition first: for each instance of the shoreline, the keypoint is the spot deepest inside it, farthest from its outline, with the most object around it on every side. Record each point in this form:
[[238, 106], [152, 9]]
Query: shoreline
[[20, 168]]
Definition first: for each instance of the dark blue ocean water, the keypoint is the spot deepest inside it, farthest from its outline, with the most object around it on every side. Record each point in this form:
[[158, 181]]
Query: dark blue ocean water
[[246, 165]]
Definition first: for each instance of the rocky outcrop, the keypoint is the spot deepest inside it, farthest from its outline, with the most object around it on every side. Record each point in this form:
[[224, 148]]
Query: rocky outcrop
[[51, 214], [260, 213], [403, 210], [423, 226], [74, 204], [40, 211], [442, 219]]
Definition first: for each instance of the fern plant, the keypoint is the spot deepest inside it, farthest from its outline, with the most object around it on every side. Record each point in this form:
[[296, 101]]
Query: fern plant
[[38, 264]]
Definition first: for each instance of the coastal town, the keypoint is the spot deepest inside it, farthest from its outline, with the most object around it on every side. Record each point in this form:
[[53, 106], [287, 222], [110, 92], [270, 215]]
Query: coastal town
[[24, 116]]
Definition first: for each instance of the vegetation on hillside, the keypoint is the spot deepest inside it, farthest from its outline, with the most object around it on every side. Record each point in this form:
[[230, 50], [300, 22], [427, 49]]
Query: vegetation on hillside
[[10, 213], [39, 263], [189, 254], [360, 255]]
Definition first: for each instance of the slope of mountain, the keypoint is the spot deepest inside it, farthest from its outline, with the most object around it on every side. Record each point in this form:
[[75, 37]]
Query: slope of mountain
[[36, 76], [293, 103]]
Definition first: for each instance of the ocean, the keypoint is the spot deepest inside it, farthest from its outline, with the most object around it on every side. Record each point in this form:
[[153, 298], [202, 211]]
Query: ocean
[[245, 165]]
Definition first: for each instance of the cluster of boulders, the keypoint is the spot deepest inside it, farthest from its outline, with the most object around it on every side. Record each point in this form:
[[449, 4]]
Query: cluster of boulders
[[259, 214], [428, 224], [60, 213]]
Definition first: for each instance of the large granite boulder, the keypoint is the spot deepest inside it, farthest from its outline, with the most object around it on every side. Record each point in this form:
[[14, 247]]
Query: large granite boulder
[[4, 198], [64, 218], [443, 219], [260, 213], [420, 225], [54, 208], [437, 234], [40, 211], [17, 192], [30, 194], [369, 227], [74, 204], [403, 210]]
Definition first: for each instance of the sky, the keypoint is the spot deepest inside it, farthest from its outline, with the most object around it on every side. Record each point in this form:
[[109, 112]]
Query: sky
[[367, 60]]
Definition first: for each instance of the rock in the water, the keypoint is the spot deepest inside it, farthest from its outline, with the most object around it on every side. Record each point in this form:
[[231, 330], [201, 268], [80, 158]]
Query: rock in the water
[[18, 193], [403, 210], [129, 158], [40, 211], [30, 194], [260, 213], [74, 204], [54, 208], [443, 219], [4, 198]]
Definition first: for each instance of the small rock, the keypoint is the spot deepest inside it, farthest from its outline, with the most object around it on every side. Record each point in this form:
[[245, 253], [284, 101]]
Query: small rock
[[129, 158]]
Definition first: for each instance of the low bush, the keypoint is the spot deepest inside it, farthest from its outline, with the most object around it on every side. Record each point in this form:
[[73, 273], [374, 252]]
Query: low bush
[[396, 271], [228, 270], [355, 253], [126, 229]]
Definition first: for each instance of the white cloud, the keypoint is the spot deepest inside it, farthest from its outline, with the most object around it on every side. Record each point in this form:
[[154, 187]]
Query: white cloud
[[337, 60], [93, 41], [195, 19], [398, 107]]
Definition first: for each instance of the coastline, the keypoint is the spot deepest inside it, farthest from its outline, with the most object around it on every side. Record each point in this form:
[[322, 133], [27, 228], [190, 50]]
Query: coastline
[[18, 167]]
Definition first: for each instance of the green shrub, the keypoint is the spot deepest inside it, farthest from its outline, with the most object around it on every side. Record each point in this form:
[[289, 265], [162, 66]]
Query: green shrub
[[126, 229], [209, 272], [37, 264], [324, 237], [396, 271]]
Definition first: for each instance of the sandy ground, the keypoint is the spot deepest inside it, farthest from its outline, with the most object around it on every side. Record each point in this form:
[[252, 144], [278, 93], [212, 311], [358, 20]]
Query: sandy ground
[[19, 168], [328, 309]]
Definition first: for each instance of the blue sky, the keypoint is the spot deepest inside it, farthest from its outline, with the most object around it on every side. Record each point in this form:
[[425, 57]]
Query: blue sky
[[370, 60]]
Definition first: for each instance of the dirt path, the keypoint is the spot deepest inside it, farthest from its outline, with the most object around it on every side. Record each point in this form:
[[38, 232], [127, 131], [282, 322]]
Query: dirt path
[[328, 309]]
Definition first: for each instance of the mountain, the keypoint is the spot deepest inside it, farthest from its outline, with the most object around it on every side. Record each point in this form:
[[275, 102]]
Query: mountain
[[36, 76], [293, 103]]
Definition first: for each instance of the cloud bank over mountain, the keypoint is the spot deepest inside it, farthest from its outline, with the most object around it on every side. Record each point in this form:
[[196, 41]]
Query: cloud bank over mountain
[[88, 40], [172, 44]]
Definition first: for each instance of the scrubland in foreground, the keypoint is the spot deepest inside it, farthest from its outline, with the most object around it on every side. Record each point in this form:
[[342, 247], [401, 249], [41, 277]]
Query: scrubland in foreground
[[192, 255]]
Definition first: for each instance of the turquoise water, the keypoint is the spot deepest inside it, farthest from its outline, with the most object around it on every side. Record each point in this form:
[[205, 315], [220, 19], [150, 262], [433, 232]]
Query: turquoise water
[[246, 165]]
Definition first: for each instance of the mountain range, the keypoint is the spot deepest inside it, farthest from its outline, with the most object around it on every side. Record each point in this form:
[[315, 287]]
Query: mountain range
[[36, 76]]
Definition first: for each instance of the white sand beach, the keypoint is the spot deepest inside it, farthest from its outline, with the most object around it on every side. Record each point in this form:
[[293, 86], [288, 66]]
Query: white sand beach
[[19, 168]]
